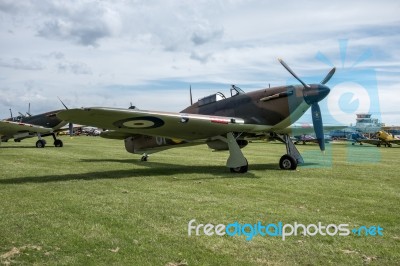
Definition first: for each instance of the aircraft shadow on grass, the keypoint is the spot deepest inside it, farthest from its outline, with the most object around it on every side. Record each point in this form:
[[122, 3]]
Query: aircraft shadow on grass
[[17, 147], [154, 169]]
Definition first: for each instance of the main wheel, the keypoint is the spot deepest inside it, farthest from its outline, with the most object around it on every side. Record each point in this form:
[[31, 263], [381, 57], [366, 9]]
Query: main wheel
[[40, 143], [58, 143], [241, 169], [144, 158], [287, 162]]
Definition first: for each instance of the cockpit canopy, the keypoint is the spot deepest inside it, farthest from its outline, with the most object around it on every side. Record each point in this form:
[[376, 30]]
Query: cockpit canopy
[[235, 90]]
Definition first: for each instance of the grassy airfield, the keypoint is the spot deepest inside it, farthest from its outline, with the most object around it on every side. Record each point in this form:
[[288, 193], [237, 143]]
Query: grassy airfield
[[93, 203]]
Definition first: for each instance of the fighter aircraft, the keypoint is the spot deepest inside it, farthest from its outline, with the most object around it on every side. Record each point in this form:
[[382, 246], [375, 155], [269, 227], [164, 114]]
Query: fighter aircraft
[[303, 139], [28, 126], [219, 121], [382, 138]]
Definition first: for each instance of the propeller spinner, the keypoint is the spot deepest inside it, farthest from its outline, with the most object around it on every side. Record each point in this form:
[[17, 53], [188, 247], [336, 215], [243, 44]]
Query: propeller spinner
[[313, 93]]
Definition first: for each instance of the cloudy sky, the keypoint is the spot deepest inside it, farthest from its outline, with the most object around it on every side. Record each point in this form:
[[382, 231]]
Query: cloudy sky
[[112, 53]]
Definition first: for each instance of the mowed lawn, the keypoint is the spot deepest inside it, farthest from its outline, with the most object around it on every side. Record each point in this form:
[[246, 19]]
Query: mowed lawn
[[92, 203]]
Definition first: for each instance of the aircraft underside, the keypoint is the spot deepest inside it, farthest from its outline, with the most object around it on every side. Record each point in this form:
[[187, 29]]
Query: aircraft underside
[[236, 162]]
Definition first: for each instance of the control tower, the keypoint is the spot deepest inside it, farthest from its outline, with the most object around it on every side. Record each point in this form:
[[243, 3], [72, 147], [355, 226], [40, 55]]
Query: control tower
[[366, 124]]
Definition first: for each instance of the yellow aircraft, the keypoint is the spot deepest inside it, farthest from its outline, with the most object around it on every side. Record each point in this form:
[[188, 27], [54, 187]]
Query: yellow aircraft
[[386, 139], [381, 138]]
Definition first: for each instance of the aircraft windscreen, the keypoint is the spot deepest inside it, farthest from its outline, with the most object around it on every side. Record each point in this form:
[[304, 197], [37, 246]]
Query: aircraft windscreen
[[235, 90]]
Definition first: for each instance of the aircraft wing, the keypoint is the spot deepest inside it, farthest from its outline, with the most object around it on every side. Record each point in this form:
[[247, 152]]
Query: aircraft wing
[[303, 129], [370, 141], [309, 141], [10, 128], [395, 141], [115, 134], [164, 124]]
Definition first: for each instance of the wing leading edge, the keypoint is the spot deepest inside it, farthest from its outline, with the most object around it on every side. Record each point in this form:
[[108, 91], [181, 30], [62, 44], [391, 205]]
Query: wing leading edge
[[11, 128], [165, 124]]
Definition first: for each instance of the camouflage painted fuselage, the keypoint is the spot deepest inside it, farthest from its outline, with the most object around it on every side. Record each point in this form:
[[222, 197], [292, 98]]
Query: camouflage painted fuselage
[[276, 107], [270, 109], [48, 120]]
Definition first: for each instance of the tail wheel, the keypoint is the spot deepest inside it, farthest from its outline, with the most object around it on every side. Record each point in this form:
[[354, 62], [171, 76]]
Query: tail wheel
[[287, 162]]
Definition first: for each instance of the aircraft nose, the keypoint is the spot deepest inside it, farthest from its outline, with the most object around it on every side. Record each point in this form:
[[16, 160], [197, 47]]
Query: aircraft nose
[[315, 93]]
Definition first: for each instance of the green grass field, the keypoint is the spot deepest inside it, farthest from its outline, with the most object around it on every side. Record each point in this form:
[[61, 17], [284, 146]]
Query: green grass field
[[92, 203]]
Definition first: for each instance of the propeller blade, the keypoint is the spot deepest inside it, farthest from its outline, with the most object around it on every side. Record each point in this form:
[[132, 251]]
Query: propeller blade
[[318, 126], [328, 77], [293, 74], [71, 129]]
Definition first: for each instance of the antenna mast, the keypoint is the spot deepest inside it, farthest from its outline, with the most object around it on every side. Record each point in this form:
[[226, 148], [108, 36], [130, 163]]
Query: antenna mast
[[191, 98]]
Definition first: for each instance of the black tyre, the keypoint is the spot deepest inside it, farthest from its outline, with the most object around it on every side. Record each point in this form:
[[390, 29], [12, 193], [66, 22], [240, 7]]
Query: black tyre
[[40, 143], [241, 169], [287, 162], [58, 143]]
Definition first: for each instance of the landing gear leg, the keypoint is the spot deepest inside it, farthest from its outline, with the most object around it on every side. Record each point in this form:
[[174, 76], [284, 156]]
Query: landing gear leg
[[236, 162], [57, 142], [293, 157]]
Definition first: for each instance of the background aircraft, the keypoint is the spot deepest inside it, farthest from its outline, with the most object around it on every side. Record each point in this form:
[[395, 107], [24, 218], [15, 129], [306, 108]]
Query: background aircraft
[[387, 139], [359, 138], [219, 121], [381, 138], [28, 126], [309, 139]]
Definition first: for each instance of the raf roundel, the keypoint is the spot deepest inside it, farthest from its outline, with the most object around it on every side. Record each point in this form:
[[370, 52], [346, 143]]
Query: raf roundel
[[144, 122]]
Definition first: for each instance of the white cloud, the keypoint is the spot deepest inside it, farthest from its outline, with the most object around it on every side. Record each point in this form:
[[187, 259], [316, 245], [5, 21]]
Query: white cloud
[[75, 68], [20, 64], [74, 49]]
